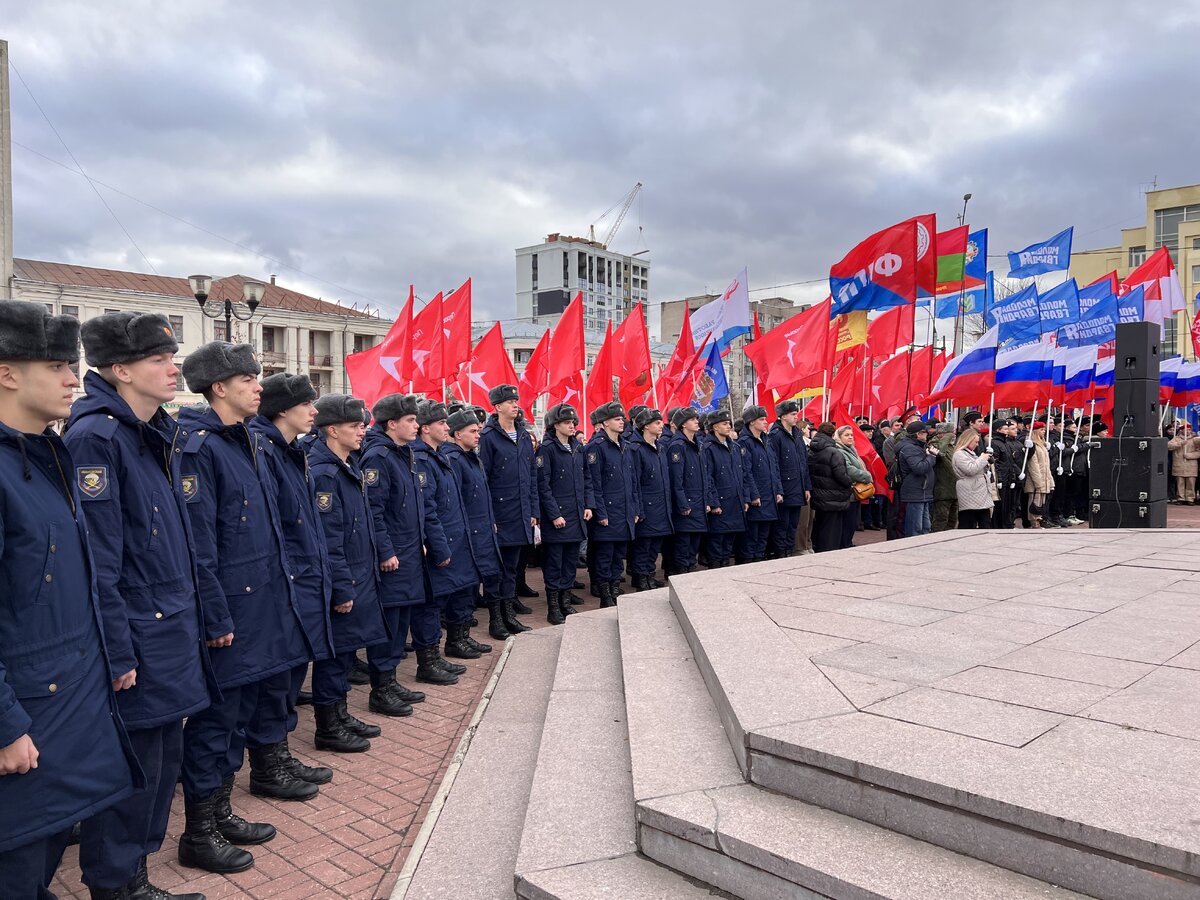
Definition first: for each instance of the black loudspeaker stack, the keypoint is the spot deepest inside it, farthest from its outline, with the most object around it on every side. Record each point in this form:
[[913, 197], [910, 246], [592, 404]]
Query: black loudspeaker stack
[[1127, 478]]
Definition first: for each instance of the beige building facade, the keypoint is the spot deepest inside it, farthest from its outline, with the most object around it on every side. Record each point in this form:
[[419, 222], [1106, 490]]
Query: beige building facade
[[1172, 221], [291, 331]]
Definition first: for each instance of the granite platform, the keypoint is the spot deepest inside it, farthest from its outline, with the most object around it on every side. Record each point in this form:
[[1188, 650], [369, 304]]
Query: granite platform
[[968, 715]]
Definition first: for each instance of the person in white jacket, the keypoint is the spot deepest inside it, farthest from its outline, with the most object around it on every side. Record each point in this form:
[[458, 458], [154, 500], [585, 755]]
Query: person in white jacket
[[972, 471]]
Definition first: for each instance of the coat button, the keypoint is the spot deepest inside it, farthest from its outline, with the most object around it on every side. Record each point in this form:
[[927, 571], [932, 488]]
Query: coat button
[[49, 578], [247, 589], [245, 503], [54, 687], [158, 615], [300, 521], [352, 581], [54, 548], [243, 518], [154, 532], [156, 509]]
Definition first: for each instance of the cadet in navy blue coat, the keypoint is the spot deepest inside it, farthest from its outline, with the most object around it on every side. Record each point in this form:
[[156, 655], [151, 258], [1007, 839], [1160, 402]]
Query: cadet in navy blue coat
[[127, 471], [398, 506], [506, 448], [253, 624], [618, 500], [349, 527], [565, 503], [654, 483], [691, 489], [788, 440], [481, 535], [734, 487], [759, 455], [63, 750], [284, 415], [449, 564]]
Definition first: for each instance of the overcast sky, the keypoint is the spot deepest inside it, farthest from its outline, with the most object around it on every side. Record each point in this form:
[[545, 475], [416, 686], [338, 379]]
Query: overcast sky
[[354, 148]]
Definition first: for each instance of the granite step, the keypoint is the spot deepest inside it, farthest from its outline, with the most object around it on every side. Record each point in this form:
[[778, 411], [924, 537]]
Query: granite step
[[697, 815], [497, 770], [578, 839], [836, 737]]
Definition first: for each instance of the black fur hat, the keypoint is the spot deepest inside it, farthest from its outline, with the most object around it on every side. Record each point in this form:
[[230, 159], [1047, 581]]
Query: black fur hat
[[645, 416], [607, 411], [282, 391], [717, 416], [28, 332], [783, 407], [463, 418], [338, 409], [560, 412], [502, 393], [393, 406], [123, 337], [682, 414], [752, 413], [218, 361]]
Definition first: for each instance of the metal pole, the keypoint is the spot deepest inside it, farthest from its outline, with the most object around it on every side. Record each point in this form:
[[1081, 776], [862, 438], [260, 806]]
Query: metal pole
[[228, 322]]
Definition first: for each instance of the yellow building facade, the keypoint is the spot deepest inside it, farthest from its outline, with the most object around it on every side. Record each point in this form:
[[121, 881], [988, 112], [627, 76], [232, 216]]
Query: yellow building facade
[[1172, 221]]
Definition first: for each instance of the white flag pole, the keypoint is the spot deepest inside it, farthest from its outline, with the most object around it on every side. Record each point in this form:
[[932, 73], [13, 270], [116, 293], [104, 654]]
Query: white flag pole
[[1028, 442], [991, 420]]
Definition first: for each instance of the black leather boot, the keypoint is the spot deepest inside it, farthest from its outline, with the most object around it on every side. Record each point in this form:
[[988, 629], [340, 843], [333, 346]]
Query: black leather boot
[[554, 613], [573, 598], [565, 604], [203, 846], [360, 672], [236, 829], [407, 695], [356, 726], [654, 583], [524, 590], [511, 622], [269, 777], [474, 644], [333, 735], [311, 774], [141, 888], [429, 671], [456, 643], [446, 666], [519, 607], [121, 893], [304, 698], [496, 623], [383, 699], [606, 595], [578, 585], [616, 589]]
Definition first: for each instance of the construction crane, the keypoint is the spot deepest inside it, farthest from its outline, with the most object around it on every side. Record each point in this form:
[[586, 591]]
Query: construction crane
[[623, 205]]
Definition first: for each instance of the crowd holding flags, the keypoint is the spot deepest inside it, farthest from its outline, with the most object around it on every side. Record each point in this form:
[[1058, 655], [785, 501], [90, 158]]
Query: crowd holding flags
[[857, 348]]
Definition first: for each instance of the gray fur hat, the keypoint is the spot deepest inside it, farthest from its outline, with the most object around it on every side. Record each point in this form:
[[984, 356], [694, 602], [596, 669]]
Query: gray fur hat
[[754, 412], [717, 416], [481, 414], [218, 361], [122, 337], [430, 411], [282, 391], [394, 406], [783, 407], [646, 416], [338, 409], [682, 414], [463, 418], [606, 411], [28, 332], [503, 392]]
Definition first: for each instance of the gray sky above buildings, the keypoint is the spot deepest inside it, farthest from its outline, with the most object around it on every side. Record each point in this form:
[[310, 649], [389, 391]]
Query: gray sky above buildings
[[367, 145]]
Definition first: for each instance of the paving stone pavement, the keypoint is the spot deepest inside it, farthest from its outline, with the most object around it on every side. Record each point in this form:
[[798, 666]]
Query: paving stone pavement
[[351, 841]]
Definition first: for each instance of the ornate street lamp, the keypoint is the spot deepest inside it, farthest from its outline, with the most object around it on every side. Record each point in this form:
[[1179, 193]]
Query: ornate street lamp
[[252, 294]]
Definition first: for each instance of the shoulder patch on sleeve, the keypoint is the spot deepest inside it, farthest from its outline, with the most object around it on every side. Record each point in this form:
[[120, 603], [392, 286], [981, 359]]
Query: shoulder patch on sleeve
[[371, 476], [421, 479], [744, 451], [92, 481], [591, 456], [541, 461], [324, 501], [676, 456], [191, 487]]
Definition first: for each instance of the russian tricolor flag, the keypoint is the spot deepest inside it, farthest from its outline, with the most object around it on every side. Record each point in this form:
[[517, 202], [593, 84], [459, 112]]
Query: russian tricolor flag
[[971, 377], [1168, 374], [1079, 375], [1187, 385], [1023, 374]]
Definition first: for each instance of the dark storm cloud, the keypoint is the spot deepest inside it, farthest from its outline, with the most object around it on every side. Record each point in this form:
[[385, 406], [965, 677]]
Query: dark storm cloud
[[381, 144]]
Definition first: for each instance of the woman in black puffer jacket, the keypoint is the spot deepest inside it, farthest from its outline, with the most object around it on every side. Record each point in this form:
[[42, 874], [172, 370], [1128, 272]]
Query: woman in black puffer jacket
[[831, 491]]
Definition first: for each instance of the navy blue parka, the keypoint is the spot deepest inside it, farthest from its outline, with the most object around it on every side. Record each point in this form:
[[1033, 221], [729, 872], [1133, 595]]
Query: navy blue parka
[[615, 487], [759, 456], [446, 527], [400, 508], [691, 484], [792, 456], [654, 482], [733, 485], [564, 483], [477, 504], [511, 479]]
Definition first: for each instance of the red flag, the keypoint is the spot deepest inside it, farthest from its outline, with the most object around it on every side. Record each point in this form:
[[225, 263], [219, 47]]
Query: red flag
[[866, 451], [797, 349], [890, 262], [890, 331], [693, 371], [377, 372], [535, 379], [927, 254], [891, 379], [763, 395], [1114, 283], [570, 391], [456, 330], [427, 340], [1157, 275], [489, 366], [599, 388], [631, 357], [568, 355], [1196, 336], [685, 349]]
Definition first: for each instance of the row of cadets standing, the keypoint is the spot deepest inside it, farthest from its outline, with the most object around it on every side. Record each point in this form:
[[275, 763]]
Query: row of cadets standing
[[64, 752], [734, 490], [565, 503]]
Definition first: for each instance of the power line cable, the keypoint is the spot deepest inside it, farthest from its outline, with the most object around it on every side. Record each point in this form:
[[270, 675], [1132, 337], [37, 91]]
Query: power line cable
[[96, 190]]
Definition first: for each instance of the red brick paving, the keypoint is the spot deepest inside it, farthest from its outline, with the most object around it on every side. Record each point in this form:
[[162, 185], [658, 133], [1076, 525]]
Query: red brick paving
[[352, 839]]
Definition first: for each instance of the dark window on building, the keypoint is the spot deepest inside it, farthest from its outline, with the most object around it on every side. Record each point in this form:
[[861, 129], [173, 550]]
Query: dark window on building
[[363, 342], [1137, 256], [566, 271], [534, 269], [219, 331], [176, 326], [108, 311], [71, 310]]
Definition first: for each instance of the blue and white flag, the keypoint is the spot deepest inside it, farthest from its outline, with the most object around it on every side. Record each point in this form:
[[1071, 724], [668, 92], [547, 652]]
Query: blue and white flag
[[726, 317], [1018, 317], [713, 387], [971, 302], [1097, 326], [1059, 306], [1053, 255], [1133, 305], [1092, 294]]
